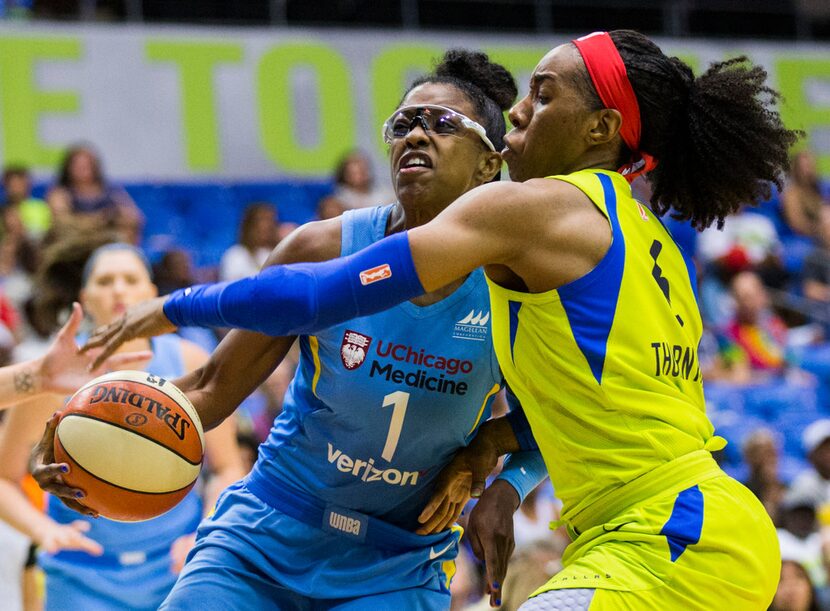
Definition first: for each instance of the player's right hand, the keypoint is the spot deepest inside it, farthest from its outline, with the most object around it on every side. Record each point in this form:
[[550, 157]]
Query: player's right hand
[[462, 478], [58, 537], [490, 532], [49, 475], [145, 319]]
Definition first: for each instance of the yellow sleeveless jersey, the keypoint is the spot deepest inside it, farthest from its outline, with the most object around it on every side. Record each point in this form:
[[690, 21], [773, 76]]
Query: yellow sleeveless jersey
[[606, 367]]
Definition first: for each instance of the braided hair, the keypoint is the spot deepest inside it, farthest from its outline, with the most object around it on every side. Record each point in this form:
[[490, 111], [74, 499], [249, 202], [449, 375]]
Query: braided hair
[[718, 138]]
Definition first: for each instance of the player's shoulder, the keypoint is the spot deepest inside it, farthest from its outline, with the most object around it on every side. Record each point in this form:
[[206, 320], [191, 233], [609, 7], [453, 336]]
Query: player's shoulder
[[314, 241]]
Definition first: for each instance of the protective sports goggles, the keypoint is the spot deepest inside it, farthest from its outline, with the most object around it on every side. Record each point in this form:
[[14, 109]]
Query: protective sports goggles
[[440, 120]]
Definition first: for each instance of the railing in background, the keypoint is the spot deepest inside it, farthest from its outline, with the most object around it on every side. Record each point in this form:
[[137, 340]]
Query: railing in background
[[787, 19]]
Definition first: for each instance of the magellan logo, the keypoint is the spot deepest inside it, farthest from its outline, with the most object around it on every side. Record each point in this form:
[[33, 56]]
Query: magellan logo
[[473, 326], [375, 274]]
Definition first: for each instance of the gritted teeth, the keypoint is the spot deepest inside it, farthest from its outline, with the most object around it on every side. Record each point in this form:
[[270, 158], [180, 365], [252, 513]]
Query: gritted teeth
[[411, 160]]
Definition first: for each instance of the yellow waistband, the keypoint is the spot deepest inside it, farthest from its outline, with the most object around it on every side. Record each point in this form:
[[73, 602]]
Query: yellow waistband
[[676, 475]]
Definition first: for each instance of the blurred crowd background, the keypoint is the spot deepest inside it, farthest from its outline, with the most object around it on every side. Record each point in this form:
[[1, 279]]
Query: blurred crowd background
[[763, 278]]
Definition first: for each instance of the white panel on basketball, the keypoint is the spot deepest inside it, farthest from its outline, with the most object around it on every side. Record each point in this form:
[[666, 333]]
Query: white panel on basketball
[[123, 458]]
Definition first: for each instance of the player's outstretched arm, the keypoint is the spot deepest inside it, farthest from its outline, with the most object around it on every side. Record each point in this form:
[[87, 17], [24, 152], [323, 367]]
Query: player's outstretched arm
[[484, 226], [20, 429], [61, 370], [244, 359]]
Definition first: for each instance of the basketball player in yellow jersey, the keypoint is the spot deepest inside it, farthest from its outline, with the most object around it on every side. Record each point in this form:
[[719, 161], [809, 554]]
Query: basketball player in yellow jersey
[[594, 316]]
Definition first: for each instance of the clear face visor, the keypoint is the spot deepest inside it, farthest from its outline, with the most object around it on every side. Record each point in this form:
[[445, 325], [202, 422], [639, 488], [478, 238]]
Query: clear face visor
[[439, 120]]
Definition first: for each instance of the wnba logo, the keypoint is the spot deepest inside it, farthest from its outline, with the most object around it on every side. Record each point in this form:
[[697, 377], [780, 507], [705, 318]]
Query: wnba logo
[[344, 523]]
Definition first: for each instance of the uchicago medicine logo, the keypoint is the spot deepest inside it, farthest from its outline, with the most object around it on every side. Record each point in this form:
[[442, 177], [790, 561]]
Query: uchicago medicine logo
[[354, 348]]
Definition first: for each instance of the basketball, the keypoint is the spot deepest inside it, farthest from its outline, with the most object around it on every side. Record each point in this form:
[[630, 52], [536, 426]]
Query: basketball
[[133, 443]]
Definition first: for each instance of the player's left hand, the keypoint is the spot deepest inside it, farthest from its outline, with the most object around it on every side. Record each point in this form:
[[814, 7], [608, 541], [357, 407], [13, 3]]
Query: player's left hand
[[462, 478], [179, 550], [63, 370], [490, 532], [145, 319]]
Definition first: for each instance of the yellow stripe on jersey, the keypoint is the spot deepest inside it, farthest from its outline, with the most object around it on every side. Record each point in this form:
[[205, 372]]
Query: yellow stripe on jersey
[[449, 566], [315, 355], [606, 366], [492, 392]]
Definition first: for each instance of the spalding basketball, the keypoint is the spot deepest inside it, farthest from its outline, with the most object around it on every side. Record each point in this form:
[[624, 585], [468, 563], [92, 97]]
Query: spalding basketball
[[133, 443]]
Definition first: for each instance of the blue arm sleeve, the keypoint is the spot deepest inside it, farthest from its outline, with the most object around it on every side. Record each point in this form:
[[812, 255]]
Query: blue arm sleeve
[[524, 471], [304, 297]]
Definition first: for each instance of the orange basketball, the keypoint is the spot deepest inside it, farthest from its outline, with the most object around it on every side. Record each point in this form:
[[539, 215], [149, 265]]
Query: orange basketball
[[133, 443]]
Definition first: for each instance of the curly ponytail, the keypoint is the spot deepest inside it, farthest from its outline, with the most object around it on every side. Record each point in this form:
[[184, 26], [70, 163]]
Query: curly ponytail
[[719, 140]]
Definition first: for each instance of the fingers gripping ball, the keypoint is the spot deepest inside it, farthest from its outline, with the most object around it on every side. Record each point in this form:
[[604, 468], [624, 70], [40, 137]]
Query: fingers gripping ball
[[134, 445]]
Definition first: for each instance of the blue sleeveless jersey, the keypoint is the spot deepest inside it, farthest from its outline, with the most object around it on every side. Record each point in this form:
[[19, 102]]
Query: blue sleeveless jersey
[[381, 402], [134, 572]]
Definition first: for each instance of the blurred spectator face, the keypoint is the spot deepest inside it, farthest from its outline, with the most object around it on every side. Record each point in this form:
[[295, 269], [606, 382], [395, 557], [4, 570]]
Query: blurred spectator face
[[179, 266], [18, 186], [330, 207], [761, 452], [750, 297], [83, 168], [805, 170], [118, 280], [357, 172], [795, 592], [820, 457], [264, 228], [800, 520], [823, 231]]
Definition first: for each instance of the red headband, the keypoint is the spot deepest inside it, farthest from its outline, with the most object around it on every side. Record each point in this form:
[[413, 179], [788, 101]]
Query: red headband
[[607, 71]]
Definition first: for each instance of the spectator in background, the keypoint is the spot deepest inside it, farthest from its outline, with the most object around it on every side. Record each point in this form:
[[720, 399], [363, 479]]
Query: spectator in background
[[175, 271], [815, 482], [531, 522], [258, 235], [754, 341], [760, 452], [83, 197], [802, 199], [799, 535], [32, 213], [748, 241], [355, 183], [529, 569], [795, 590], [330, 207], [815, 273]]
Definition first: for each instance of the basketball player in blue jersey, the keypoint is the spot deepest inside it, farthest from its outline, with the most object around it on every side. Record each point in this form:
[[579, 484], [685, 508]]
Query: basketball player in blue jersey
[[327, 518], [594, 314]]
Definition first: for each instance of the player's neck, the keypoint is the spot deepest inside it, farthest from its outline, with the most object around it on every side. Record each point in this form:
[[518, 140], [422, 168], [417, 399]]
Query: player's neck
[[407, 215]]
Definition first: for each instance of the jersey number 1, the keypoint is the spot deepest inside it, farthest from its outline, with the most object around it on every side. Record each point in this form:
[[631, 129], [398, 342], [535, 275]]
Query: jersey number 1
[[399, 400]]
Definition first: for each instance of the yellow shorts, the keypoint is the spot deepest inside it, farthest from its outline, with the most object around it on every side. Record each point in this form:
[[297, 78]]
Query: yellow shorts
[[709, 546]]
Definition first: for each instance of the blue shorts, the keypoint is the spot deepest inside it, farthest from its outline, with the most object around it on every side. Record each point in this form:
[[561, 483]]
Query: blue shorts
[[249, 555]]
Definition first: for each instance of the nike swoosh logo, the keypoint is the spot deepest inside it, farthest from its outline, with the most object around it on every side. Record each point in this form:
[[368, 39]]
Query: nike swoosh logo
[[616, 528], [433, 554]]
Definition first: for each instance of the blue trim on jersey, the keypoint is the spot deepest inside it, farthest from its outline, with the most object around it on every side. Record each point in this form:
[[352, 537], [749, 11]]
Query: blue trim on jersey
[[591, 313], [685, 523], [514, 306]]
